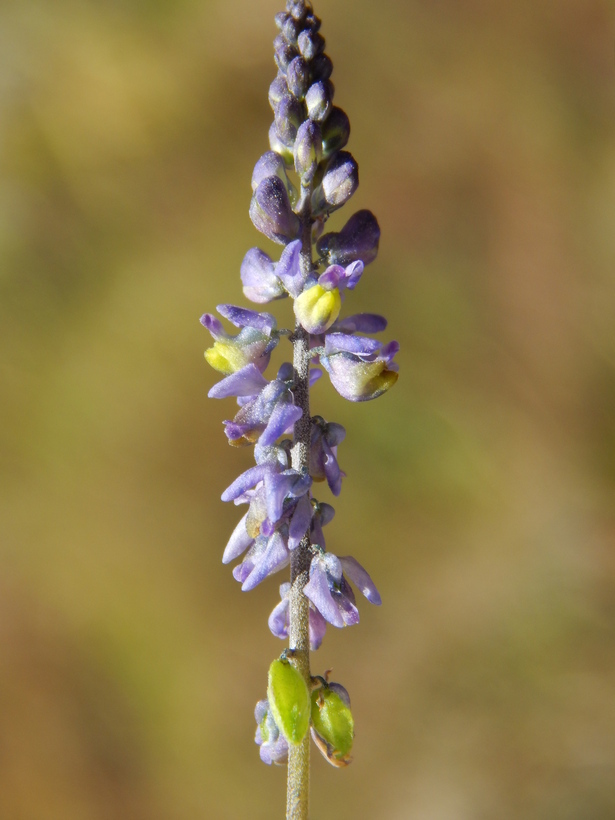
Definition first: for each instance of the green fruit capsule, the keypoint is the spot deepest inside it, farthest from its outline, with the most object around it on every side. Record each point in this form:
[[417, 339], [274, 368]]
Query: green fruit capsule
[[289, 700], [332, 725]]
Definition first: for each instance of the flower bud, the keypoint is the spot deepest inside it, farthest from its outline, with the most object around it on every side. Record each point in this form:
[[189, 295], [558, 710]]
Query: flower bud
[[322, 67], [312, 22], [307, 151], [270, 165], [298, 8], [332, 723], [271, 213], [277, 90], [317, 308], [283, 53], [358, 239], [280, 19], [339, 182], [358, 370], [290, 29], [288, 117], [318, 100], [289, 700], [298, 77], [335, 132], [277, 145], [310, 44]]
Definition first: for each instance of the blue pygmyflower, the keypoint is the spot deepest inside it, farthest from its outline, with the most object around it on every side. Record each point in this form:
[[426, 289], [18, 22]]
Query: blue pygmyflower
[[293, 449]]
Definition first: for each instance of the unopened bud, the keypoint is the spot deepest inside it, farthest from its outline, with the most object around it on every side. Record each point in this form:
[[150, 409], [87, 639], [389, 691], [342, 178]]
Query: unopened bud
[[307, 151], [318, 99], [322, 67], [335, 132], [358, 239], [288, 117], [280, 147], [310, 44], [271, 213], [298, 77], [340, 181]]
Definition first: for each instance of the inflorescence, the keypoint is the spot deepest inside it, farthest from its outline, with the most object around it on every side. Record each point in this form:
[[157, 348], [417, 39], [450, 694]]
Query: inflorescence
[[297, 185]]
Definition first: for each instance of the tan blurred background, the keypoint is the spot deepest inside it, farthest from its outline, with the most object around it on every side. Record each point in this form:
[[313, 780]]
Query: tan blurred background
[[480, 492]]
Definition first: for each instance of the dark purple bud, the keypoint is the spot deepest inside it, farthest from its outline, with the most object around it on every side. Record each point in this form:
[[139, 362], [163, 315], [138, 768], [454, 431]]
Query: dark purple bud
[[322, 67], [271, 165], [284, 52], [307, 151], [335, 132], [310, 44], [358, 239], [298, 8], [298, 77], [277, 90], [288, 117], [318, 99], [312, 22], [291, 29], [280, 19], [279, 146], [340, 181], [271, 213]]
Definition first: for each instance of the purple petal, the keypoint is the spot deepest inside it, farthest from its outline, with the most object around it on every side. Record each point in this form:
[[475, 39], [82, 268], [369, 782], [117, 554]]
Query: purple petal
[[354, 271], [244, 482], [260, 284], [317, 590], [361, 579], [289, 270], [213, 325], [238, 543], [331, 277], [358, 345], [273, 558], [283, 417], [243, 317], [279, 619], [277, 487], [299, 522], [360, 323], [245, 382], [318, 627], [315, 374], [276, 752]]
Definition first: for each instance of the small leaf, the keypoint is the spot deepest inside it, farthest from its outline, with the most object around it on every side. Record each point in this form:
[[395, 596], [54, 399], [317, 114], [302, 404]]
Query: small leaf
[[332, 725], [289, 700]]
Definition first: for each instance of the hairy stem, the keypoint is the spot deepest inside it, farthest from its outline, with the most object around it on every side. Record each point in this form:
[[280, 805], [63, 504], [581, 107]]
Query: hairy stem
[[298, 784]]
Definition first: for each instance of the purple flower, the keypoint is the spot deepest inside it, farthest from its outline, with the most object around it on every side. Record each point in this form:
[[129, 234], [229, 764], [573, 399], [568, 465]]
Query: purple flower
[[264, 281], [330, 592], [265, 557], [323, 453], [272, 743], [279, 620], [360, 368], [271, 211], [358, 239], [267, 408], [253, 344]]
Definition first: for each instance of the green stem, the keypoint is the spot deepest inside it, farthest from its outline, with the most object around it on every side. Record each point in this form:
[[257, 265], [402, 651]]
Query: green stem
[[298, 784]]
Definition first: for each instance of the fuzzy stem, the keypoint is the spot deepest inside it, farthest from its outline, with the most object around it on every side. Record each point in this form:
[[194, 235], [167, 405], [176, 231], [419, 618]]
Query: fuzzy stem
[[298, 783]]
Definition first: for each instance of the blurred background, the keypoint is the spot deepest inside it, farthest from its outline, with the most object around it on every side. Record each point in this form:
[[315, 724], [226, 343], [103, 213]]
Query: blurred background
[[480, 491]]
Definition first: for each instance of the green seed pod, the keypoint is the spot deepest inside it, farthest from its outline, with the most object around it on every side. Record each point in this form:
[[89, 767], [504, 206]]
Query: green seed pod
[[332, 724], [289, 700]]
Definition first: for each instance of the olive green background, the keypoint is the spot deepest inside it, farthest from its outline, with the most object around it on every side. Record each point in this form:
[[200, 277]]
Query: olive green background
[[480, 490]]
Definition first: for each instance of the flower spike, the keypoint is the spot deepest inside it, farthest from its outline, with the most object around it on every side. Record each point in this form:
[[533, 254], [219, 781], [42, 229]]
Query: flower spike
[[293, 450]]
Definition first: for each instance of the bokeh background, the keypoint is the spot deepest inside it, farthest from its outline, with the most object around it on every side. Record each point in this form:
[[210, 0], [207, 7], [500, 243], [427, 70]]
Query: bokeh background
[[480, 491]]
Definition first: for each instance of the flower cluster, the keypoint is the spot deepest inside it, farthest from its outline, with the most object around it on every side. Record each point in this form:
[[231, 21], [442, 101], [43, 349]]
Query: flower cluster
[[296, 186]]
